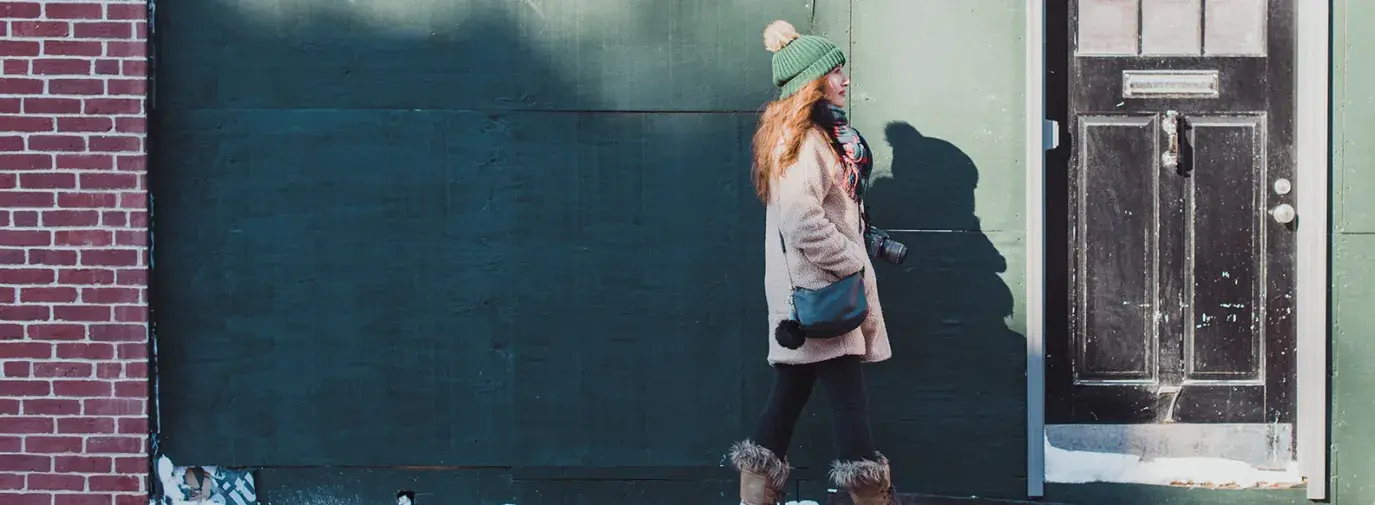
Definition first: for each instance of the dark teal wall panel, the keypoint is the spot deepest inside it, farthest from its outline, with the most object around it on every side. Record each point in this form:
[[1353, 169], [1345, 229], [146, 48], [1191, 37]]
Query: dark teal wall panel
[[441, 288], [471, 55]]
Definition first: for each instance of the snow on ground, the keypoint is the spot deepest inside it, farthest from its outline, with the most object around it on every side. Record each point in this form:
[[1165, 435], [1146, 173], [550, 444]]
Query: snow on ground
[[1077, 467]]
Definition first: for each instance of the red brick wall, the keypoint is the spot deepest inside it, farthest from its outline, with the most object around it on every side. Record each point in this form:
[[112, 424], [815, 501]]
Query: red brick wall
[[73, 256]]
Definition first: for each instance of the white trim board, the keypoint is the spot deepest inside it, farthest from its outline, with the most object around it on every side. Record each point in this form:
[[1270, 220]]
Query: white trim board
[[1312, 148], [1036, 146], [1312, 113]]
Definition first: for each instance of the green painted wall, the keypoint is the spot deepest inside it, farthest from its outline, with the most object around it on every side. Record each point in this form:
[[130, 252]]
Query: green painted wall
[[1353, 255], [948, 135]]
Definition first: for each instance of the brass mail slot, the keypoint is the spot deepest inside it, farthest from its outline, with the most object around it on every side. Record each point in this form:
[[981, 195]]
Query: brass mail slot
[[1170, 84]]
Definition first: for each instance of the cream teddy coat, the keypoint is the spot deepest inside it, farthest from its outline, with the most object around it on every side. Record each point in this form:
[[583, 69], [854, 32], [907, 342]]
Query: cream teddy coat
[[820, 224]]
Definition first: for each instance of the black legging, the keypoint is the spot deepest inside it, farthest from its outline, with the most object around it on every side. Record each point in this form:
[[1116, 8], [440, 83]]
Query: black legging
[[843, 379]]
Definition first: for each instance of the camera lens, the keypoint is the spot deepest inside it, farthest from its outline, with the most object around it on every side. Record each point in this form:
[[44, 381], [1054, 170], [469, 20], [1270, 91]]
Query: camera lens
[[894, 252]]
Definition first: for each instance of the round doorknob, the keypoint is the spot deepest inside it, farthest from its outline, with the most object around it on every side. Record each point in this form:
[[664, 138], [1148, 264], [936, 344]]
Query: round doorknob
[[1283, 186], [1283, 213]]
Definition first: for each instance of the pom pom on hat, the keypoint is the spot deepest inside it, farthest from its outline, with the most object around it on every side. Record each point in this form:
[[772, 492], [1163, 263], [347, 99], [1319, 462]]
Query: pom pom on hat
[[778, 34]]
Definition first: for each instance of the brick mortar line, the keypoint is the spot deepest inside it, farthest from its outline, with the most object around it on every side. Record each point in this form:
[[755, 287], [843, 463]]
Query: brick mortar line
[[27, 472], [129, 305], [74, 171], [89, 58], [52, 396], [79, 266], [142, 436], [55, 153], [75, 474], [81, 415], [118, 209], [73, 248], [48, 321], [47, 79], [73, 304], [51, 115], [84, 435], [59, 227]]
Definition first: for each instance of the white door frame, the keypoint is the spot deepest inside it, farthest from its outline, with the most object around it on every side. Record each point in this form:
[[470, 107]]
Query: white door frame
[[1312, 24]]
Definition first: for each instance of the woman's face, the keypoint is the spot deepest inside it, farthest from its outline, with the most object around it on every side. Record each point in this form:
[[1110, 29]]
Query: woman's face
[[837, 83]]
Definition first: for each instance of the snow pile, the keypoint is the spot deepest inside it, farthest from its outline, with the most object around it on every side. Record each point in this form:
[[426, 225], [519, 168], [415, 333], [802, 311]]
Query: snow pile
[[1078, 467]]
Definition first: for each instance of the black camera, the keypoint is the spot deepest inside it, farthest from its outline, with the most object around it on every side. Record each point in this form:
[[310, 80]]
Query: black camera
[[882, 247]]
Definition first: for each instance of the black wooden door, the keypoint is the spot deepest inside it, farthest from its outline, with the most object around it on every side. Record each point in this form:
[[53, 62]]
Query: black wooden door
[[1180, 186]]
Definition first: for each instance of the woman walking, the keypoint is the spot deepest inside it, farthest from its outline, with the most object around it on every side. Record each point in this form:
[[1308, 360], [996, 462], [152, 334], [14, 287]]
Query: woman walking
[[810, 170]]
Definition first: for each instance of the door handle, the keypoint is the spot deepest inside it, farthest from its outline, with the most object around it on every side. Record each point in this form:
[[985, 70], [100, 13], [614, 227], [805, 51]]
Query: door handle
[[1170, 158]]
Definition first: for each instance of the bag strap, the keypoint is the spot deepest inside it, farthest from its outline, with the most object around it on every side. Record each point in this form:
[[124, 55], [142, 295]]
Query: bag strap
[[783, 244], [792, 287]]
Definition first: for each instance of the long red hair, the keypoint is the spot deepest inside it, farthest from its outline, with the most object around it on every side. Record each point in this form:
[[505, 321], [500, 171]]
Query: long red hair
[[782, 128]]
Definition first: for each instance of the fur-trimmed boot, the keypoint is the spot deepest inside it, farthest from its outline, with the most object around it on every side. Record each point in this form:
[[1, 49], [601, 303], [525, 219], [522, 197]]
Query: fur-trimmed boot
[[869, 482], [762, 475]]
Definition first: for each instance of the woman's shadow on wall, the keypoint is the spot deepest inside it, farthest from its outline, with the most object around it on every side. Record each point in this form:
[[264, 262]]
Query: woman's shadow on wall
[[955, 389]]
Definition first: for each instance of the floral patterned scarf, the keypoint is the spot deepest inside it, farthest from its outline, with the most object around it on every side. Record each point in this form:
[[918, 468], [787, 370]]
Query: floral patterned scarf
[[855, 158]]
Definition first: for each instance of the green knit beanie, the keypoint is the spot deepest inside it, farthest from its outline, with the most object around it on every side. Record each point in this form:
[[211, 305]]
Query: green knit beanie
[[799, 59]]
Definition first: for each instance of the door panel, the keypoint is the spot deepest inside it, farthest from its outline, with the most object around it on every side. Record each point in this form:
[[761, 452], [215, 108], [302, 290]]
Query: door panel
[[1116, 295], [1179, 280], [1225, 339]]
